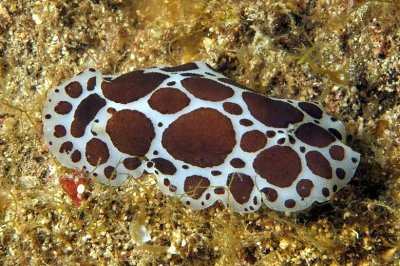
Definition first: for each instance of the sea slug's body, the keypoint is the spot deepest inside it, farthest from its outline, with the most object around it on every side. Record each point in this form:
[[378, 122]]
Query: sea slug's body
[[205, 137]]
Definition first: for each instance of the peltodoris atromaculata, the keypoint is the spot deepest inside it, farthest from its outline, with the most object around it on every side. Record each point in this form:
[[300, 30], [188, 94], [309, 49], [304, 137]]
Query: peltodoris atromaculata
[[205, 137]]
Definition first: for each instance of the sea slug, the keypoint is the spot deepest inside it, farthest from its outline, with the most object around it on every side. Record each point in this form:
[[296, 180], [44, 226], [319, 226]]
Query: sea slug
[[205, 138]]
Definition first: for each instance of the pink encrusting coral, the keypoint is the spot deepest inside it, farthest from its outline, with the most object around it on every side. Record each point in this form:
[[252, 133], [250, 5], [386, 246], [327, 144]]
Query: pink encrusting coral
[[205, 137]]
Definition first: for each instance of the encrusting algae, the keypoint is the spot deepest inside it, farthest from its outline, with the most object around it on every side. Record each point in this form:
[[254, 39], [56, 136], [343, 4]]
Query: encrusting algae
[[300, 50]]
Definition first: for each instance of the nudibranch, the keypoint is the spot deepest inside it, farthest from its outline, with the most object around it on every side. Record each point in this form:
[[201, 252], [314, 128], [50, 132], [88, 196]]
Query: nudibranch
[[205, 138]]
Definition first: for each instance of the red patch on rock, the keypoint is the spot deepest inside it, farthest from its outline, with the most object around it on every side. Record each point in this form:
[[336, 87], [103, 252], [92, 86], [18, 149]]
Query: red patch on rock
[[70, 186]]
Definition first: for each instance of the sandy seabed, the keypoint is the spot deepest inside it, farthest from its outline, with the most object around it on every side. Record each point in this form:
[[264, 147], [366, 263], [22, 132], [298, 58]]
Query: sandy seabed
[[343, 53]]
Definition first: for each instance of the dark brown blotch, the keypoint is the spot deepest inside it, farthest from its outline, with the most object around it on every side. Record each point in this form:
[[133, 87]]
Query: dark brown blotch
[[166, 182], [132, 86], [304, 187], [164, 166], [59, 131], [85, 113], [219, 190], [253, 141], [110, 173], [97, 152], [246, 122], [272, 165], [172, 188], [216, 173], [76, 156], [240, 185], [195, 186], [66, 147], [340, 173], [311, 109], [63, 108], [272, 113], [237, 163], [131, 163], [318, 164], [290, 203], [73, 89], [190, 139], [270, 133], [314, 135], [184, 67], [168, 100], [232, 108], [325, 192], [131, 132], [207, 89], [336, 152], [270, 193], [91, 84]]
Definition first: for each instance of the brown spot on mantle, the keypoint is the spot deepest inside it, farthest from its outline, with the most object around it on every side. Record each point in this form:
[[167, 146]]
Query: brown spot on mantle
[[131, 132], [85, 113], [318, 164], [241, 186], [207, 89], [97, 152], [168, 100], [195, 186], [272, 113], [272, 164], [132, 86], [190, 139]]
